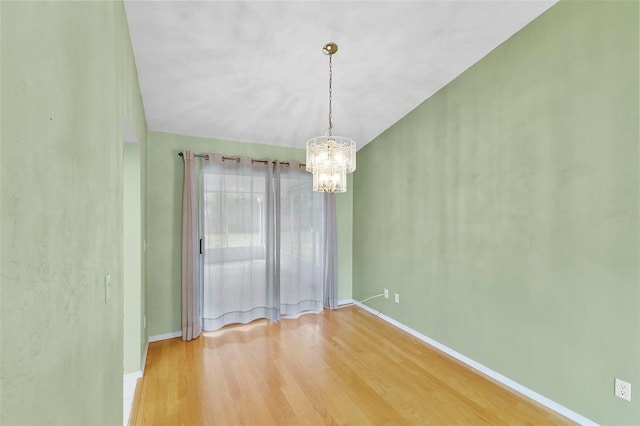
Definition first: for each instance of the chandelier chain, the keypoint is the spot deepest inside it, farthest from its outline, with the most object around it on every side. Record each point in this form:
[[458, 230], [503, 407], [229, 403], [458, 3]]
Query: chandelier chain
[[330, 96]]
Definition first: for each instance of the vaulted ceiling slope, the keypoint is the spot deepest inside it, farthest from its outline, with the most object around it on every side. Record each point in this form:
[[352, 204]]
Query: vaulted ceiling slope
[[255, 71]]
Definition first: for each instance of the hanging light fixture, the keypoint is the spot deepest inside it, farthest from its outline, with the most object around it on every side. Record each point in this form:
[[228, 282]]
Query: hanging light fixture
[[330, 157]]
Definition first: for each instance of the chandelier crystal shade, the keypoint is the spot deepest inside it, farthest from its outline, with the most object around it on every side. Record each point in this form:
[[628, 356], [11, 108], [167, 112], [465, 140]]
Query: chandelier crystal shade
[[330, 158]]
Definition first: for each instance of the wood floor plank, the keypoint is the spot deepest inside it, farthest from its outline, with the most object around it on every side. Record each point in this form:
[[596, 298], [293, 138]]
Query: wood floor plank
[[343, 367]]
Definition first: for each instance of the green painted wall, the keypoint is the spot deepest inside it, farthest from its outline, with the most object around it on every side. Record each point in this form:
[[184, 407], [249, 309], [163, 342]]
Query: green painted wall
[[164, 218], [134, 113], [495, 224], [68, 81], [132, 276], [344, 218]]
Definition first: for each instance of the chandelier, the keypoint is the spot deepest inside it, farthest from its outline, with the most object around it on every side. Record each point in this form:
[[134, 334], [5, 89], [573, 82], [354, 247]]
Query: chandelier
[[330, 157]]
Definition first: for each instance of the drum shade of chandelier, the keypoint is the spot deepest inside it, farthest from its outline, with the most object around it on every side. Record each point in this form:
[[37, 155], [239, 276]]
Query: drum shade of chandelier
[[330, 157]]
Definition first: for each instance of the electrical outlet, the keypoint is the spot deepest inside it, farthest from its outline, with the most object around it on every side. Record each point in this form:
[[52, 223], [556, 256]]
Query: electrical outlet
[[397, 298], [107, 288], [386, 293], [144, 322], [623, 389]]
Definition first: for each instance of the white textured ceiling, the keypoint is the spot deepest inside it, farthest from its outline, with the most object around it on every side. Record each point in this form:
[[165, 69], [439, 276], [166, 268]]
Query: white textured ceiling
[[255, 71]]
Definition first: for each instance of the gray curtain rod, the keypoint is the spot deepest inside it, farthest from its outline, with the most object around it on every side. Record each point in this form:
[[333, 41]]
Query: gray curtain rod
[[206, 156]]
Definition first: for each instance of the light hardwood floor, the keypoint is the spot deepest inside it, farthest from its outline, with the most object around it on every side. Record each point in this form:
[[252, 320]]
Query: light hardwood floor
[[338, 367]]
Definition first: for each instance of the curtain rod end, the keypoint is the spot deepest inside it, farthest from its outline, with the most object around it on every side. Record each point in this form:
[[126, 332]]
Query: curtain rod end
[[180, 154]]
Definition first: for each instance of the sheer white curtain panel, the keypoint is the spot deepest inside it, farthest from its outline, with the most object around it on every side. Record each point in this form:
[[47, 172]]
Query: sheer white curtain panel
[[300, 231], [239, 240]]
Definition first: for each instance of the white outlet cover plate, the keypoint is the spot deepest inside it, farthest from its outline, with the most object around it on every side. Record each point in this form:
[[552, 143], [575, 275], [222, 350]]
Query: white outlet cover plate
[[623, 389], [397, 298], [107, 289], [386, 293]]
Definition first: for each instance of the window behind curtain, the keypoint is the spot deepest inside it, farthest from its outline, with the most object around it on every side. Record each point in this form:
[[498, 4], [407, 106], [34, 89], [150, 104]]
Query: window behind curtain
[[301, 233], [238, 230], [244, 277]]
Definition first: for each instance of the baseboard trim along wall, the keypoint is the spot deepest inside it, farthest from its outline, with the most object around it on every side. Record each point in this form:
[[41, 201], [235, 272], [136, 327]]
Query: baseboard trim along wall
[[165, 336], [143, 361], [129, 382], [572, 415]]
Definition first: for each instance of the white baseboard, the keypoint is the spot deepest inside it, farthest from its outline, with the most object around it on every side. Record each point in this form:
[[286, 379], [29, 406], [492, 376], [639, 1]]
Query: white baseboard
[[572, 415], [165, 336], [345, 302], [132, 377], [143, 361], [129, 382]]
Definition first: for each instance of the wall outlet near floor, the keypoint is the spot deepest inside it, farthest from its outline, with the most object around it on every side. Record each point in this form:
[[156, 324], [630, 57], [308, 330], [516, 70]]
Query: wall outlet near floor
[[623, 389], [397, 298], [386, 293]]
